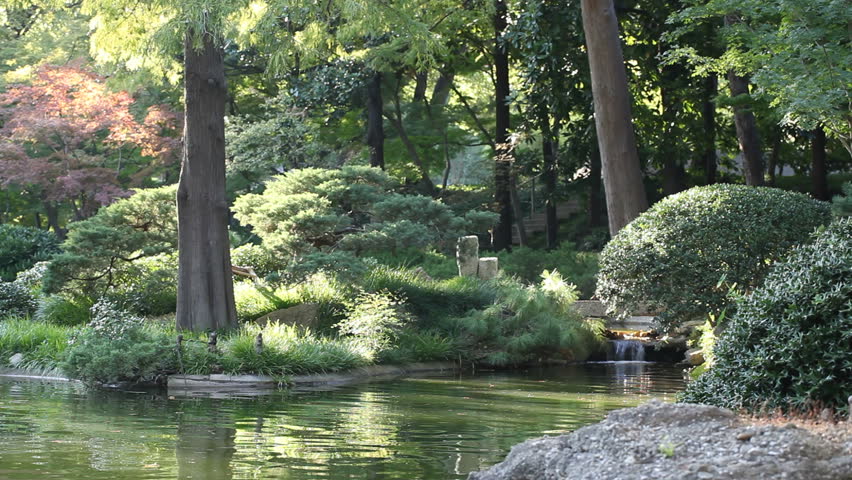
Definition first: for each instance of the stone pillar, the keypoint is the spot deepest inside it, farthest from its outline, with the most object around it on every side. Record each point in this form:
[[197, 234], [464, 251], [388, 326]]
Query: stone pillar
[[467, 255], [488, 268]]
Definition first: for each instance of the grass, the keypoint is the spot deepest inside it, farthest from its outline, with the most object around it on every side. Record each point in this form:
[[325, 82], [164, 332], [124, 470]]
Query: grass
[[41, 344]]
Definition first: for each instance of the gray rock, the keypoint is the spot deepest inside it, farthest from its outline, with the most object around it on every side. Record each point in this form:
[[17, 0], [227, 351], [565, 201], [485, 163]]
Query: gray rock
[[303, 315], [488, 268], [16, 359], [467, 255], [674, 441]]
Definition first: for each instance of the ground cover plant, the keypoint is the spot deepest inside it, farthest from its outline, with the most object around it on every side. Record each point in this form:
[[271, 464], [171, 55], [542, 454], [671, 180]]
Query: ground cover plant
[[789, 343], [685, 253]]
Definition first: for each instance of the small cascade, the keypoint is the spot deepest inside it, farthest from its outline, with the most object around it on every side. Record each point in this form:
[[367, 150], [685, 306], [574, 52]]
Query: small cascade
[[628, 350]]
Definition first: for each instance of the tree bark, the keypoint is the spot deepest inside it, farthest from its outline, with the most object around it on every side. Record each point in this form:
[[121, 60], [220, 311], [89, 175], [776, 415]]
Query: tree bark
[[375, 125], [51, 211], [747, 134], [549, 174], [205, 286], [595, 176], [819, 169], [623, 188], [441, 91], [708, 117], [674, 173], [421, 79], [502, 236], [523, 240]]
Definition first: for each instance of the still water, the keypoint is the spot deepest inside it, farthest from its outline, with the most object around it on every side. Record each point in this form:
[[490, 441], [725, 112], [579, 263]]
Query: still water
[[415, 428]]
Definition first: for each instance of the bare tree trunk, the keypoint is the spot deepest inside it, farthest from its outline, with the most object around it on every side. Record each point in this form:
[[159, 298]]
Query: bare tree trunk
[[819, 169], [708, 117], [674, 174], [623, 188], [549, 173], [51, 211], [595, 204], [375, 126], [523, 240], [205, 286], [502, 237], [747, 133], [421, 79], [774, 155], [441, 91]]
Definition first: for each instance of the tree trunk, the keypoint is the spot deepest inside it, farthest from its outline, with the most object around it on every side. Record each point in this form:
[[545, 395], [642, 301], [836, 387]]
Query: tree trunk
[[674, 174], [523, 240], [502, 238], [205, 286], [595, 204], [747, 134], [421, 79], [375, 125], [51, 211], [623, 188], [774, 155], [551, 223], [397, 121], [441, 91], [708, 117], [819, 169]]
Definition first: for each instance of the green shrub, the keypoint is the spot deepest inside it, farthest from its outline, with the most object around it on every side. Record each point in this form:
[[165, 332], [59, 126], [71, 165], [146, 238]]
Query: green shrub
[[100, 251], [527, 323], [117, 347], [527, 264], [413, 346], [260, 259], [789, 343], [435, 264], [375, 320], [287, 350], [683, 254], [842, 204], [61, 310], [23, 247], [42, 345], [16, 300], [255, 300]]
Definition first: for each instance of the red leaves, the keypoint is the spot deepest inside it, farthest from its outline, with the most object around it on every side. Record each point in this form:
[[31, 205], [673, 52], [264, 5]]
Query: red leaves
[[65, 135]]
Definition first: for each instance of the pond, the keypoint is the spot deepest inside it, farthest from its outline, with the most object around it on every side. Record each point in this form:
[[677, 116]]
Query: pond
[[414, 428]]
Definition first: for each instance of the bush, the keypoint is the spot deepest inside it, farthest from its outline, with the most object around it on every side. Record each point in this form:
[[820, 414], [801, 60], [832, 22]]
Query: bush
[[375, 320], [16, 300], [61, 310], [684, 253], [116, 347], [527, 323], [789, 343], [578, 267], [260, 259], [435, 264], [23, 247], [42, 345], [842, 204]]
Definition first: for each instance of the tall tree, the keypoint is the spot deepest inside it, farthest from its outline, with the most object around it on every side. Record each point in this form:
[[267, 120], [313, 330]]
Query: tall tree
[[623, 188], [503, 160], [205, 285]]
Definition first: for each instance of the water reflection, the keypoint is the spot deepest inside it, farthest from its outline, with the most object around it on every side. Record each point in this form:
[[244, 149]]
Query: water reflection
[[424, 428]]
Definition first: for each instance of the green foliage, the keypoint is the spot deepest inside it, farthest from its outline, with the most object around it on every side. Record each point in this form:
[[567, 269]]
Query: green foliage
[[790, 341], [61, 310], [117, 347], [526, 324], [41, 344], [412, 346], [354, 209], [528, 263], [16, 300], [99, 251], [437, 265], [254, 301], [340, 264], [23, 247], [684, 253], [151, 286], [842, 205], [375, 320], [287, 350], [259, 258]]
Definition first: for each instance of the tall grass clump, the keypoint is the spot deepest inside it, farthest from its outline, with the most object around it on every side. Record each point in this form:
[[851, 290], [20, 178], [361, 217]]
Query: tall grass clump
[[42, 345], [527, 324], [288, 350]]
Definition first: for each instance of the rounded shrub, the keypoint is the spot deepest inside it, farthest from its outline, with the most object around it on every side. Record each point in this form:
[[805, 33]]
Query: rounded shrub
[[60, 310], [789, 343], [23, 247], [685, 254], [262, 260], [16, 300]]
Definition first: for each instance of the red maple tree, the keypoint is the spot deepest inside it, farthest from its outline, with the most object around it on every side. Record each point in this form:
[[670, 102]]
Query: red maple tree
[[68, 139]]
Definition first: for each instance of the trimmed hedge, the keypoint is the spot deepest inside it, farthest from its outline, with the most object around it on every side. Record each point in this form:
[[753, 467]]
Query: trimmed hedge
[[684, 254], [789, 344]]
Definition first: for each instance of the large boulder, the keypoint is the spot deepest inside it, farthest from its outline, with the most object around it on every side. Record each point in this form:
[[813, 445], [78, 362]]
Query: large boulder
[[675, 441]]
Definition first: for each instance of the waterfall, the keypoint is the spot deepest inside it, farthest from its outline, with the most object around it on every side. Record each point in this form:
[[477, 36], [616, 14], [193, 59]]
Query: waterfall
[[628, 350]]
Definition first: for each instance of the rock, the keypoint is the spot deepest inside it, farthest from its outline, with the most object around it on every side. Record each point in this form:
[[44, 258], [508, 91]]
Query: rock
[[590, 308], [488, 268], [16, 359], [420, 273], [694, 357], [304, 315], [467, 255], [708, 442]]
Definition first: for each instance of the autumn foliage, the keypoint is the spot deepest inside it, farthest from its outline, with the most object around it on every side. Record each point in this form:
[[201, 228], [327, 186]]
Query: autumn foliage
[[70, 141]]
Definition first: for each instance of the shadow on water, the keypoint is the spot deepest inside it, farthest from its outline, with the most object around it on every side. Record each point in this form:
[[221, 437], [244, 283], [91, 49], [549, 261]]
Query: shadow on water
[[425, 428]]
